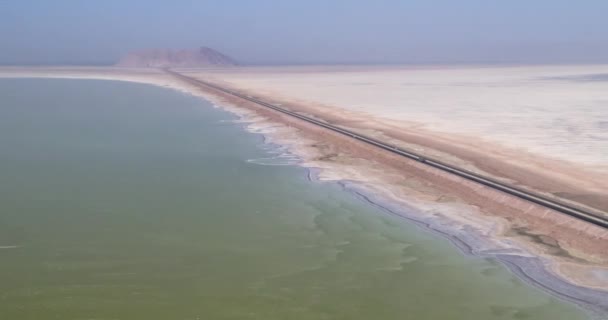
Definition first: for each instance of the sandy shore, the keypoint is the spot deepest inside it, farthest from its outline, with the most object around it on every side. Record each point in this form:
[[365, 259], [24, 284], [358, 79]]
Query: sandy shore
[[564, 257]]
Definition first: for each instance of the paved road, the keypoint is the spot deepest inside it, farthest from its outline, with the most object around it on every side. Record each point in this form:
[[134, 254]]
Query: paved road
[[564, 208]]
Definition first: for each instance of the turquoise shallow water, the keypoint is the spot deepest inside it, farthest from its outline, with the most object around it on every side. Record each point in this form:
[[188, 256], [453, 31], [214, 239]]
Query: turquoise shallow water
[[126, 201]]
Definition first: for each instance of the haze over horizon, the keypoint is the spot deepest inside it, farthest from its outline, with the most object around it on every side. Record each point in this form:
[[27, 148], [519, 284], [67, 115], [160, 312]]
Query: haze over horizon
[[310, 32]]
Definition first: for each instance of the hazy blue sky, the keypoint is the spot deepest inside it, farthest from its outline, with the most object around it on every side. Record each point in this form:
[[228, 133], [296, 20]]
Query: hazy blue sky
[[308, 31]]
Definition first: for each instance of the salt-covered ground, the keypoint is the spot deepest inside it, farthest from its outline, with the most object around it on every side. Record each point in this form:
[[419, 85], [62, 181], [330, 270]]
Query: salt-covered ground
[[557, 111]]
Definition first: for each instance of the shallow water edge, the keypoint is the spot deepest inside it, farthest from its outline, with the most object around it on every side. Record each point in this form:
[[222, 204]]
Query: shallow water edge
[[533, 270]]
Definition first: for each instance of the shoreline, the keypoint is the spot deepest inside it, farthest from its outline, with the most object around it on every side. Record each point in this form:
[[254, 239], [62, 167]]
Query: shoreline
[[529, 268], [533, 268]]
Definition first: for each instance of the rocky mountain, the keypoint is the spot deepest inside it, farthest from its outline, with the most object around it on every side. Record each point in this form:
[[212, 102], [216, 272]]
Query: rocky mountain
[[187, 58]]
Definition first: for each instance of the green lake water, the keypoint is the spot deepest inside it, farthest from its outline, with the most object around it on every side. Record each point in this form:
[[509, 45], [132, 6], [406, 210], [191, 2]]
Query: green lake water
[[127, 201]]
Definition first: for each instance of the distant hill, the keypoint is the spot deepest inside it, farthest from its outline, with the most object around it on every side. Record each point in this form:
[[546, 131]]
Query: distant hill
[[187, 58]]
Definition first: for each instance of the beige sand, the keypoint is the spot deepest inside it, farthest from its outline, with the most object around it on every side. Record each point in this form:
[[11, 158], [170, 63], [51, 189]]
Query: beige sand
[[572, 250]]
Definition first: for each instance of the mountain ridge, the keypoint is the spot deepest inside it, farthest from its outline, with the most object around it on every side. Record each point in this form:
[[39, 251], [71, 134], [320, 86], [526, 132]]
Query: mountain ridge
[[165, 58]]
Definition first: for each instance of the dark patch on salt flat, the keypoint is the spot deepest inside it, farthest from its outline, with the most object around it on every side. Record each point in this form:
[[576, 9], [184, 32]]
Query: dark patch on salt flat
[[596, 77]]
